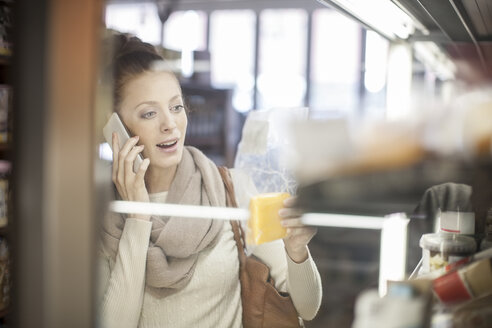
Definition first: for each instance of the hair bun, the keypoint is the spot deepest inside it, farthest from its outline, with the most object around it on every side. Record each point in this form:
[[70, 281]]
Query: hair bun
[[118, 42], [124, 44], [126, 56]]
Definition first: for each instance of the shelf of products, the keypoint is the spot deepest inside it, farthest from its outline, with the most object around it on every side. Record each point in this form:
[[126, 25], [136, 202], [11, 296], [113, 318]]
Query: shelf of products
[[212, 123], [382, 192], [404, 189], [6, 16]]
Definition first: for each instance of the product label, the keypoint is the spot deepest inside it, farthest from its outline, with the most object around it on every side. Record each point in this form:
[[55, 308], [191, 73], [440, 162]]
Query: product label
[[451, 288], [458, 222]]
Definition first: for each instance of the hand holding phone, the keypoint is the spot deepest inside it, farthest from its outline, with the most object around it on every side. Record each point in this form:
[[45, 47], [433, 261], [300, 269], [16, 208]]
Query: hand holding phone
[[115, 124]]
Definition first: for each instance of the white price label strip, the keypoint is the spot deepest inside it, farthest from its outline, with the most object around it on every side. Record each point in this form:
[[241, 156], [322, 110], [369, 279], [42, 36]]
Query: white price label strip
[[228, 213], [186, 211], [343, 221]]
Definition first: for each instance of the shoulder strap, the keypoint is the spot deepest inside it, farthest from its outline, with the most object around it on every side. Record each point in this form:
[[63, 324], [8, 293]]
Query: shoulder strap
[[231, 202], [230, 194]]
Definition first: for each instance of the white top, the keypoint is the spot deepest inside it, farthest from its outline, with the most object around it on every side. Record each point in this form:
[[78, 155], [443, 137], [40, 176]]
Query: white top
[[212, 297]]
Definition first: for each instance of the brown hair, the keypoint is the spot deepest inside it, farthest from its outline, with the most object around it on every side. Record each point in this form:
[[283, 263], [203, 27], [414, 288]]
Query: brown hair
[[131, 57]]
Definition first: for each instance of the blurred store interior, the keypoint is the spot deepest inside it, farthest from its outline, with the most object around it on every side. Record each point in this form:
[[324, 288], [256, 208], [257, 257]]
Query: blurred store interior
[[356, 106]]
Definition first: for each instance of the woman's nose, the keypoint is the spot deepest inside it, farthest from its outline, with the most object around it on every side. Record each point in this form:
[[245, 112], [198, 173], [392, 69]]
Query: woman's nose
[[167, 123]]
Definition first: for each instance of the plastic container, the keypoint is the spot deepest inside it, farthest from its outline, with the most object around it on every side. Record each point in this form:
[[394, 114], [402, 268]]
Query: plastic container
[[457, 222], [441, 249]]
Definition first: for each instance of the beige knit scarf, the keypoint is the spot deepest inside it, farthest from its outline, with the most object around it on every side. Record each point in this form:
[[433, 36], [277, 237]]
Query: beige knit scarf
[[175, 242]]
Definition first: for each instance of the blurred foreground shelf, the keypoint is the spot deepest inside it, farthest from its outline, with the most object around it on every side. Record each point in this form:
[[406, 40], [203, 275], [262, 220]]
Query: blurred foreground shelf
[[379, 193]]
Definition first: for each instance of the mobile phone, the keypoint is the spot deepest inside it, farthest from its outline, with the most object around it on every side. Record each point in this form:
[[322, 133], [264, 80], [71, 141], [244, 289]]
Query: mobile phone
[[115, 124]]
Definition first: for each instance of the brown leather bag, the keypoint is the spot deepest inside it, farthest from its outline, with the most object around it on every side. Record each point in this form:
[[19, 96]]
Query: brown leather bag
[[263, 305]]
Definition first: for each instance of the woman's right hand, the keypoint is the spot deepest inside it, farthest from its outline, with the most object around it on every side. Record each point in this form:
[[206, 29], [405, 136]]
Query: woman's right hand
[[130, 185]]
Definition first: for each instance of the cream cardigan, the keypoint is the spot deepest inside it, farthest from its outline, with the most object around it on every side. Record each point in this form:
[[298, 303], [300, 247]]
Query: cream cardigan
[[212, 297]]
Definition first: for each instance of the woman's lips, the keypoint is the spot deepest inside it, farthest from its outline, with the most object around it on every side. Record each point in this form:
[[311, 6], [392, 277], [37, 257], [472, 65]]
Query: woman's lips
[[168, 146]]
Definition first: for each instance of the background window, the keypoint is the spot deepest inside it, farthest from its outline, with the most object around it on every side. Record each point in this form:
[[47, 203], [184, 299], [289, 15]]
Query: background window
[[335, 67], [282, 58], [186, 31], [375, 74], [141, 20], [232, 47]]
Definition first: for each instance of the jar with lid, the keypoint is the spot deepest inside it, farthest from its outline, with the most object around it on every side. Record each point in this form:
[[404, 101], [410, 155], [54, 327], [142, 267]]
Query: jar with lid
[[441, 249]]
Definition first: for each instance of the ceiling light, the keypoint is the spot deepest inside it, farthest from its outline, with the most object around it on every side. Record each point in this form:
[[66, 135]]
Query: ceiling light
[[435, 59], [382, 16]]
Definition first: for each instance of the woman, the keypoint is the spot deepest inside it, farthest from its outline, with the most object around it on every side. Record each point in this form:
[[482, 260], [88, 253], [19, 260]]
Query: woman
[[176, 272]]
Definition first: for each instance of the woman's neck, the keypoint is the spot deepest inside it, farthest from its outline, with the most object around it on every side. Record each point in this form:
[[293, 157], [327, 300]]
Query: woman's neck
[[158, 180]]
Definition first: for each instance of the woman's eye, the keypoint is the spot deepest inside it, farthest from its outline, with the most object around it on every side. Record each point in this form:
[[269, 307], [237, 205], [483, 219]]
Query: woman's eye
[[148, 114], [177, 108]]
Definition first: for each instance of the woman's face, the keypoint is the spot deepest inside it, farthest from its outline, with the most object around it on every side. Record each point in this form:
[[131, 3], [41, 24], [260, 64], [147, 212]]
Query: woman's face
[[152, 108]]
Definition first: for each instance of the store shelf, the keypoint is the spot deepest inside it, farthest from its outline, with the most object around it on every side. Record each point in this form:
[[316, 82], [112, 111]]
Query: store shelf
[[379, 193], [5, 151], [4, 60]]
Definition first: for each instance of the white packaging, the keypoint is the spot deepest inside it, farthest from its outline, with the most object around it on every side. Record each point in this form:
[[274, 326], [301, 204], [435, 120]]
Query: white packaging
[[458, 222]]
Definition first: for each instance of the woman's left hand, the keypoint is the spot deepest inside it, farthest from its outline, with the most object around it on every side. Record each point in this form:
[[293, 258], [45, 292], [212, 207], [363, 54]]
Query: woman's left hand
[[298, 234]]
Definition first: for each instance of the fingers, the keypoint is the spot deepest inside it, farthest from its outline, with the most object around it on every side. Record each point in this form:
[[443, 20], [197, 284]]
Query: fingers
[[290, 216], [291, 220], [299, 237], [116, 150], [130, 159], [289, 212], [301, 231], [292, 223], [127, 147], [290, 202], [296, 242], [142, 169], [122, 157], [295, 227], [130, 185]]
